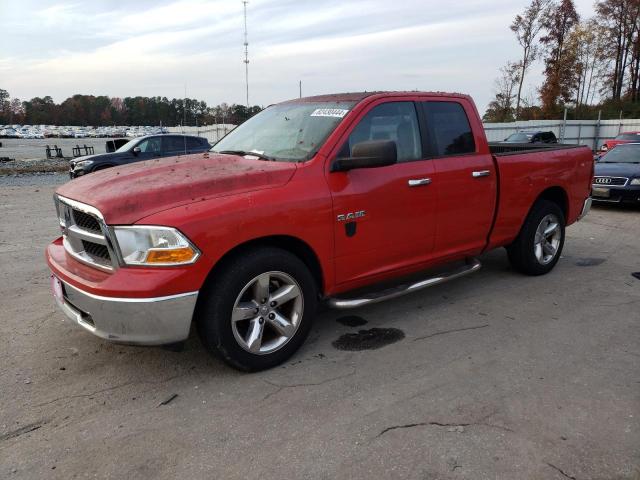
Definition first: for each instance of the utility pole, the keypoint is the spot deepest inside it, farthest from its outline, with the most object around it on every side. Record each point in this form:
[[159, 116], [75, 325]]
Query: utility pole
[[246, 53]]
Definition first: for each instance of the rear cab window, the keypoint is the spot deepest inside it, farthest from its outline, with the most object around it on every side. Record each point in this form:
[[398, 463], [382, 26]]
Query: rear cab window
[[449, 128]]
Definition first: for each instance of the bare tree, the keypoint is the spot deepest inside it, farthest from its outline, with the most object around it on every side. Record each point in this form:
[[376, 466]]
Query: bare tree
[[619, 20], [584, 47], [526, 28], [501, 108]]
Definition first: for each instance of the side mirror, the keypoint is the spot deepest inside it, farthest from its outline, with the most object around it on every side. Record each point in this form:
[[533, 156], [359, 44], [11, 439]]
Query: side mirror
[[369, 154], [136, 150]]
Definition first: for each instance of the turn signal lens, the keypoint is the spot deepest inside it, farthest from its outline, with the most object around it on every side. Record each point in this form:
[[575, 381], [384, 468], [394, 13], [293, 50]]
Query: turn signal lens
[[176, 255]]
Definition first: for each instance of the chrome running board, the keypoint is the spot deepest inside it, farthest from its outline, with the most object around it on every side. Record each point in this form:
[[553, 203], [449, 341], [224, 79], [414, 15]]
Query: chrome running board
[[471, 266]]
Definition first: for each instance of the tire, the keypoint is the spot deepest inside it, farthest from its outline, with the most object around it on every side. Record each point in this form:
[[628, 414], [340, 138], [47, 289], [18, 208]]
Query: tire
[[247, 328], [534, 252]]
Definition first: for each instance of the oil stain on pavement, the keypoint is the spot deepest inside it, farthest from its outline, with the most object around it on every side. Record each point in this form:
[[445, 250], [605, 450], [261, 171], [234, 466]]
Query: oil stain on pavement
[[371, 339], [352, 321]]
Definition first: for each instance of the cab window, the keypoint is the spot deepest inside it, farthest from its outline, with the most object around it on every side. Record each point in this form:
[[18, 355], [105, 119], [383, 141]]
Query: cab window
[[396, 121], [449, 128]]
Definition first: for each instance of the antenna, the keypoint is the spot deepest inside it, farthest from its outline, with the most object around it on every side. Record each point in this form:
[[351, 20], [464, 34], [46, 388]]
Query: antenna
[[246, 53]]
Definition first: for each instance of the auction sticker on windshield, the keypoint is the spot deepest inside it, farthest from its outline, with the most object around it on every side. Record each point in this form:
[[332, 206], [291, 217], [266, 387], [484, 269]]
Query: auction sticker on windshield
[[329, 112]]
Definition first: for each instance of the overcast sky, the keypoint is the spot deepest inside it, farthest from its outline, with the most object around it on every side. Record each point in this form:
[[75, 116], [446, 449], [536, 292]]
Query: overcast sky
[[149, 48]]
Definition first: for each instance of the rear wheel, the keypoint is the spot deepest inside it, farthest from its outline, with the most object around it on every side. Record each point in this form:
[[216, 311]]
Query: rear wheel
[[258, 310], [539, 244]]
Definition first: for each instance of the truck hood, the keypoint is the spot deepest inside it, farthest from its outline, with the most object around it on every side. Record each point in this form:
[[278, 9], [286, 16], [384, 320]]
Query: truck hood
[[126, 194]]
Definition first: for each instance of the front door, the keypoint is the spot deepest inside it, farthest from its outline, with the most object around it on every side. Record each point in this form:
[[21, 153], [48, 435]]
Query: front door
[[384, 218]]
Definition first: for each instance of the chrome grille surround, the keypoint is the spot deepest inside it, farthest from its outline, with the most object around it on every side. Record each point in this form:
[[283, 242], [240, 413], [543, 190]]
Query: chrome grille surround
[[81, 240], [606, 181]]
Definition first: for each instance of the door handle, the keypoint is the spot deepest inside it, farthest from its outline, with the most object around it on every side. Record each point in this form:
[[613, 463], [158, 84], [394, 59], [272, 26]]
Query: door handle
[[481, 173], [416, 182]]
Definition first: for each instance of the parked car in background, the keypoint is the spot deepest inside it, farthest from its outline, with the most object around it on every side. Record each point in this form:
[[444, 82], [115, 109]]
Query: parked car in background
[[624, 137], [309, 200], [532, 137], [137, 150], [617, 175]]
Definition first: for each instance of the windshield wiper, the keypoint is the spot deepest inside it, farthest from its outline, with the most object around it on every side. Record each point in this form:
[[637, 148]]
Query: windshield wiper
[[251, 154]]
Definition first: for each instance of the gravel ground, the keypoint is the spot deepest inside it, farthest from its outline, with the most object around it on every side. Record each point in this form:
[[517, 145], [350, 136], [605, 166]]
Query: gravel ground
[[22, 180], [492, 376]]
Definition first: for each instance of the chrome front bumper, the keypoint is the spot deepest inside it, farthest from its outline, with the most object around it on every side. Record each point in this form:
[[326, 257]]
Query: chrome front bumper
[[139, 321], [585, 208]]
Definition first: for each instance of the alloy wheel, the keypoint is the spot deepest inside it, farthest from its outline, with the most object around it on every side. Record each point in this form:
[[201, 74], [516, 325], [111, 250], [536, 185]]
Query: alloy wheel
[[267, 312]]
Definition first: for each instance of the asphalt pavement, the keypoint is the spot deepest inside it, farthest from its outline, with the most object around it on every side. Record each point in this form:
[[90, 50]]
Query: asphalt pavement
[[492, 376]]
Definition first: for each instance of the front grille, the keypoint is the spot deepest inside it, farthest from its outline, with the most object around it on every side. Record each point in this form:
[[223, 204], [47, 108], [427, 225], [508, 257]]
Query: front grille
[[612, 181], [96, 250], [85, 236], [86, 221]]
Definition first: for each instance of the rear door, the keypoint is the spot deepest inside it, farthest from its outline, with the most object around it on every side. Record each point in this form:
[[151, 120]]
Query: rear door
[[465, 178], [384, 217]]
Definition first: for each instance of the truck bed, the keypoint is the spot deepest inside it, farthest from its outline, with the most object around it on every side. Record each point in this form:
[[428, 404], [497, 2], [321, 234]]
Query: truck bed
[[527, 170]]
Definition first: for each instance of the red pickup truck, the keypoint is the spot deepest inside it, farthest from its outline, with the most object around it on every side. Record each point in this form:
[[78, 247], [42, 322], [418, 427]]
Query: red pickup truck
[[319, 199]]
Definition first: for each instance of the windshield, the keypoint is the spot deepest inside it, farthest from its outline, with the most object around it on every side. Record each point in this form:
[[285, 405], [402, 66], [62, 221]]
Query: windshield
[[519, 137], [288, 132], [634, 137], [128, 146], [623, 154]]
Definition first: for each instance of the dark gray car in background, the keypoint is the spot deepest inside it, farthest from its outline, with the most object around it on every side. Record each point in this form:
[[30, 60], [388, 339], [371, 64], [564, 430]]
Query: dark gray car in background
[[139, 149], [532, 137]]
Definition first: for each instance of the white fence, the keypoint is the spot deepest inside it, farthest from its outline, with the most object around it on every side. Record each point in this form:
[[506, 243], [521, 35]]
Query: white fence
[[212, 133], [585, 132]]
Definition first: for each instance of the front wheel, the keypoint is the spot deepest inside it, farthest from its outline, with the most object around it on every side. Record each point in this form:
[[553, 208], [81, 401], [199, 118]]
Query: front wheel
[[537, 248], [258, 310]]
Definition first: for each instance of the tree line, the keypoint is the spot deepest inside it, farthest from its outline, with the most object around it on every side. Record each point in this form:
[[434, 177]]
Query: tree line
[[90, 110], [590, 65]]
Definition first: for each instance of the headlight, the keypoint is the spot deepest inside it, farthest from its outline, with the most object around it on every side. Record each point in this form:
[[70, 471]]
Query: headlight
[[83, 163], [149, 245], [635, 181]]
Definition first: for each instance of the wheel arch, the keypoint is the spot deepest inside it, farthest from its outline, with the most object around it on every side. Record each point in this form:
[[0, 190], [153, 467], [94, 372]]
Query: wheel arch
[[294, 245], [557, 195]]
